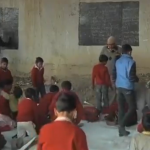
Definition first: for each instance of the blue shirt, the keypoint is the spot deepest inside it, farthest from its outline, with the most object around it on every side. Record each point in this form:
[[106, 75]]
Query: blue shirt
[[125, 66]]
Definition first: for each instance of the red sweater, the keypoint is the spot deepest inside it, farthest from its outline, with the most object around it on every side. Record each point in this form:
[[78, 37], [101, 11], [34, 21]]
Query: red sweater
[[37, 76], [140, 127], [100, 75], [79, 107], [62, 135], [27, 111], [5, 75], [44, 104], [4, 106]]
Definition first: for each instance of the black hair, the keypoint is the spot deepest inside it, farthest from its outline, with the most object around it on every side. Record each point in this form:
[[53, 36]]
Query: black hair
[[4, 60], [103, 58], [126, 48], [66, 85], [30, 93], [66, 102], [54, 88], [146, 122], [39, 59], [17, 92], [7, 82]]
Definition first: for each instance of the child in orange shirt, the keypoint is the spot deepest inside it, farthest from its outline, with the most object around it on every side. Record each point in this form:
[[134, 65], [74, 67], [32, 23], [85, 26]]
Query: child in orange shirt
[[27, 118], [14, 100], [62, 133], [37, 77], [66, 87], [101, 82], [5, 73], [45, 102]]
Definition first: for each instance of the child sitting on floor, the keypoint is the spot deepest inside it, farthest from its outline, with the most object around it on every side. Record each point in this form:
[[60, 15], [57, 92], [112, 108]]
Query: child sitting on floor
[[112, 115], [45, 103], [66, 87], [62, 133], [142, 140], [27, 118], [6, 123], [14, 99]]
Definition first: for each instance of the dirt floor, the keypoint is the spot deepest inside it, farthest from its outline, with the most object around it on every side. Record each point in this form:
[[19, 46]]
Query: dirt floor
[[81, 84]]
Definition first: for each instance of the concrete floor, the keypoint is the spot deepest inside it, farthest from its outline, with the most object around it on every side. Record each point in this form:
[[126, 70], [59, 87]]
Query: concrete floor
[[103, 137], [99, 137]]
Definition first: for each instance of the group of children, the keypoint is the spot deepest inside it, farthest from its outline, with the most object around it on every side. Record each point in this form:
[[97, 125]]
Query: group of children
[[55, 115], [29, 112], [101, 81]]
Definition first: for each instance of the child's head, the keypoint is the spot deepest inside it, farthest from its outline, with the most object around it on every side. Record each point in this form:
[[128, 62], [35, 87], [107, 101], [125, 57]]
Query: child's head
[[7, 85], [126, 49], [39, 62], [66, 106], [17, 92], [30, 93], [103, 59], [4, 63], [54, 88], [66, 85], [146, 122]]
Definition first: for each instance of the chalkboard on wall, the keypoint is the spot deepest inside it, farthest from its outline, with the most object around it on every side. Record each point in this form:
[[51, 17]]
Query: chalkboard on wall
[[9, 28], [98, 21]]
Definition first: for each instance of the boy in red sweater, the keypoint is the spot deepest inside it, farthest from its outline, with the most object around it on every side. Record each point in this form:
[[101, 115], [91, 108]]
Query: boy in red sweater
[[66, 87], [5, 73], [4, 97], [45, 102], [5, 113], [27, 118], [37, 77], [101, 82], [62, 133], [145, 111]]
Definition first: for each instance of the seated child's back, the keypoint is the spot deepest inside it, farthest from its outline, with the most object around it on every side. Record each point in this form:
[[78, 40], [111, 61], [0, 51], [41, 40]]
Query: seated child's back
[[66, 87], [45, 103], [27, 118], [62, 133], [142, 140]]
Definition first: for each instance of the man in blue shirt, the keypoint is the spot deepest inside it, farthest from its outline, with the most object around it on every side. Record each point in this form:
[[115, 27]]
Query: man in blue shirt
[[124, 76]]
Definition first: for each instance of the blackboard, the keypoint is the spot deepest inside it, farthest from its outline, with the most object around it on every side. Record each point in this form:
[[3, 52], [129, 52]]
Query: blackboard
[[98, 21], [9, 26]]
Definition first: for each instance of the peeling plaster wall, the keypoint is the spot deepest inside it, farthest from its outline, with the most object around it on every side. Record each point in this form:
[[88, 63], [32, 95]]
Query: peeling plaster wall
[[49, 28]]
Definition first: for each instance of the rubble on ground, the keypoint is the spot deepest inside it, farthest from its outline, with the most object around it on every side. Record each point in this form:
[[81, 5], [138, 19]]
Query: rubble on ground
[[81, 84]]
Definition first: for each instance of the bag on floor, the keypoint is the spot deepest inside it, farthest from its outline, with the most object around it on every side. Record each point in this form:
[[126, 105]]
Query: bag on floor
[[112, 117], [91, 114]]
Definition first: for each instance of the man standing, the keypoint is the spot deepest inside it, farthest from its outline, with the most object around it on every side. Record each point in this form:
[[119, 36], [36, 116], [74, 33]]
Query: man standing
[[124, 76], [111, 50]]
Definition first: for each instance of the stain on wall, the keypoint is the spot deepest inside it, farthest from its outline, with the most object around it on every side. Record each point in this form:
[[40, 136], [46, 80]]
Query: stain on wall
[[49, 28]]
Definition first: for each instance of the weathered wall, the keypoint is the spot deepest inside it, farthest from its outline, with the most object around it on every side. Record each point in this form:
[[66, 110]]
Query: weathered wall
[[49, 28]]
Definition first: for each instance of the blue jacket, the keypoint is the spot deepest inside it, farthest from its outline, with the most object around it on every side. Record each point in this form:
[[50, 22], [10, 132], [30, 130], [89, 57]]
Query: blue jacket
[[124, 72]]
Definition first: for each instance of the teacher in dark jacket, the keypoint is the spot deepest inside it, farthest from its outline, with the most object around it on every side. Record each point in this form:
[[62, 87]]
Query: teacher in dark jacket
[[124, 76], [111, 50]]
